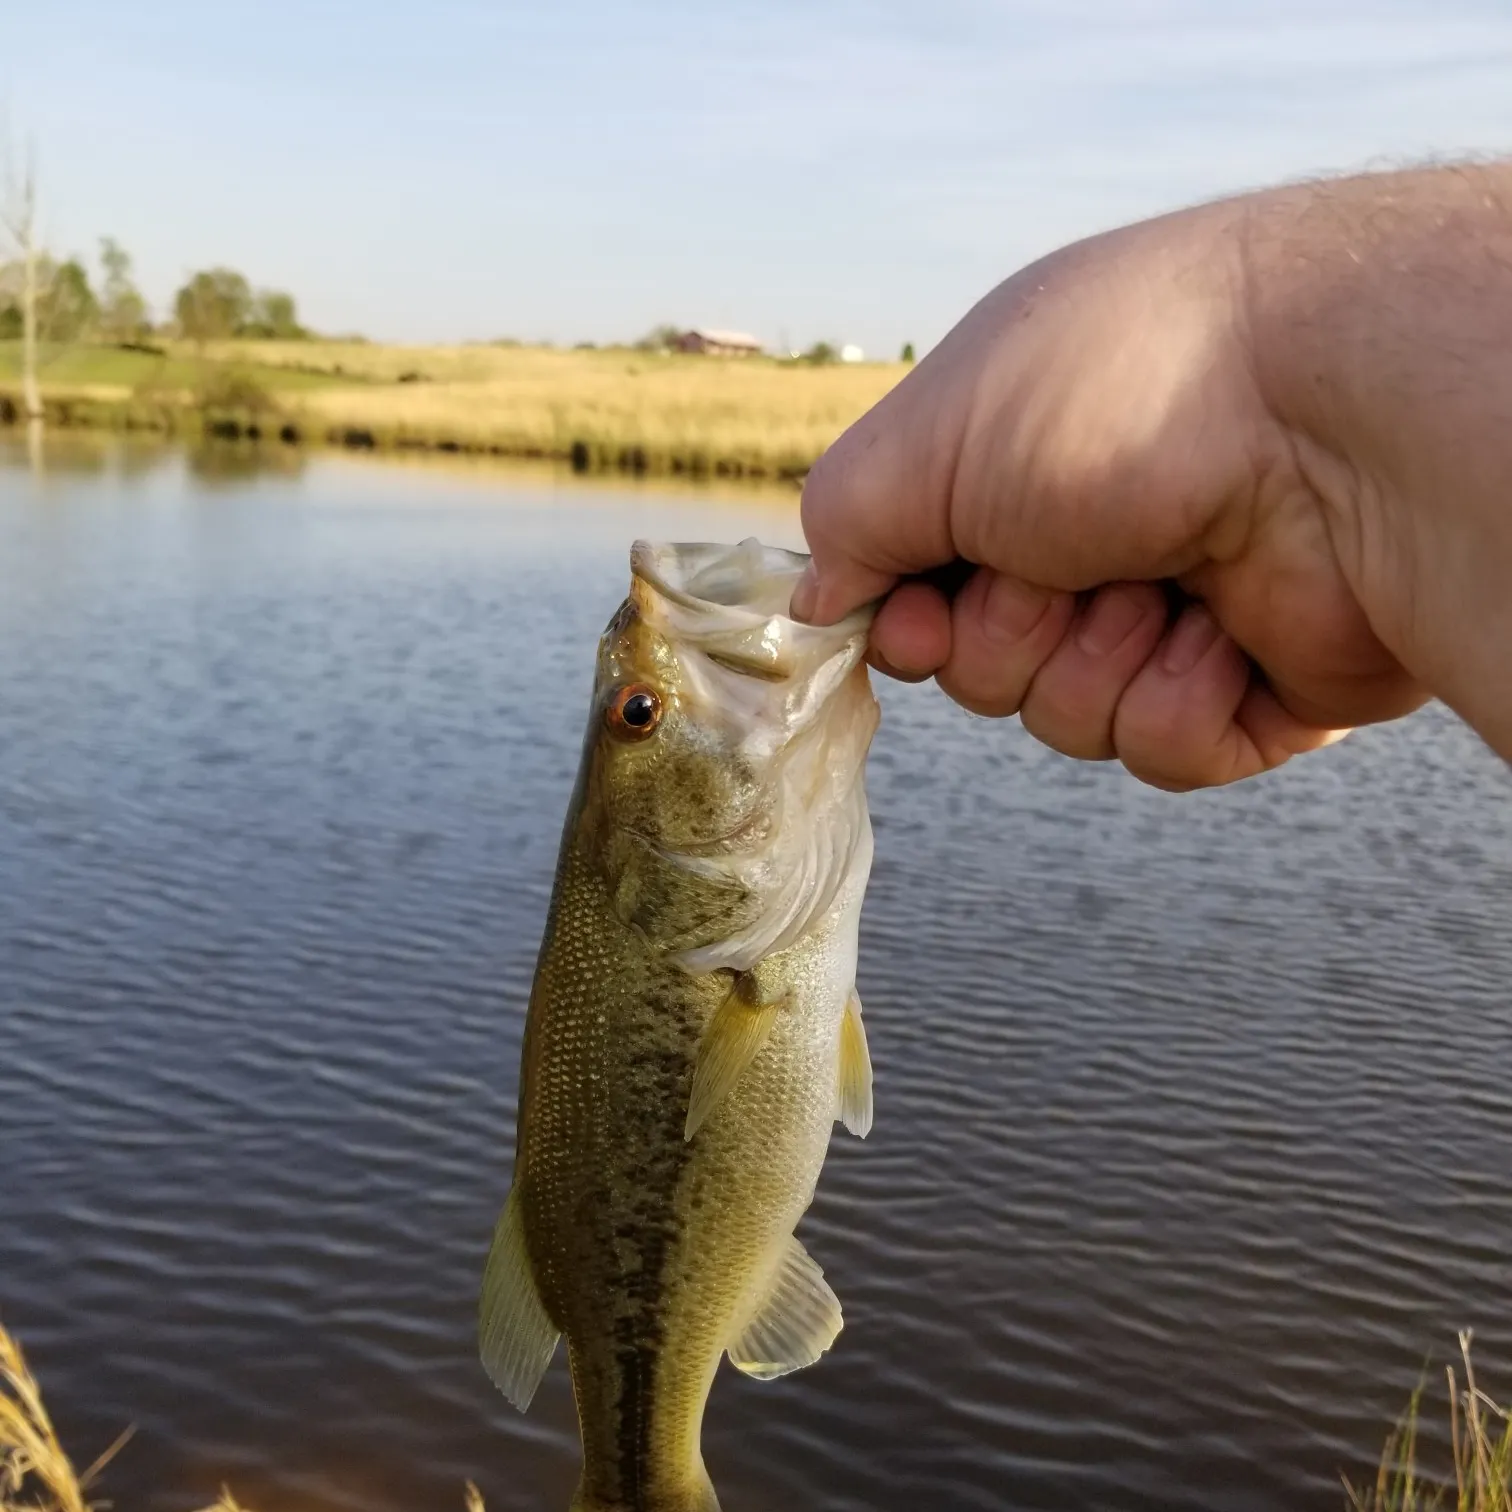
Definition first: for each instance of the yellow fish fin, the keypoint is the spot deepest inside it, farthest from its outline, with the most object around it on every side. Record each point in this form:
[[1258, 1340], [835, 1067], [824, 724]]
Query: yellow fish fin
[[736, 1032], [515, 1337], [855, 1101], [794, 1323]]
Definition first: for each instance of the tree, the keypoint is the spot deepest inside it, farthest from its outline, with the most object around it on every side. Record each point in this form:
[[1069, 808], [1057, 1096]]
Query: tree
[[821, 354], [213, 305], [907, 354], [66, 305], [219, 302], [123, 311], [18, 218], [273, 317], [12, 289], [662, 338]]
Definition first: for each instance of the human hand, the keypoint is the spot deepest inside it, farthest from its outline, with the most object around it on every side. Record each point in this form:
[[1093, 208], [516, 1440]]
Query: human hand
[[1158, 577]]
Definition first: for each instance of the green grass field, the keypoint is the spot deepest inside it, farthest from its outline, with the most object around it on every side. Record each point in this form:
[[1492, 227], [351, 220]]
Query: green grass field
[[610, 408], [77, 369]]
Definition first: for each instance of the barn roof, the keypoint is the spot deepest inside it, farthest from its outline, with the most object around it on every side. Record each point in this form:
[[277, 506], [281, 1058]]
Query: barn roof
[[725, 338]]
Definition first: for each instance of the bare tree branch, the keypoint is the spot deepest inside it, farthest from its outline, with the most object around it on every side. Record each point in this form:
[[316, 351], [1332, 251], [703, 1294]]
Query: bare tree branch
[[19, 218]]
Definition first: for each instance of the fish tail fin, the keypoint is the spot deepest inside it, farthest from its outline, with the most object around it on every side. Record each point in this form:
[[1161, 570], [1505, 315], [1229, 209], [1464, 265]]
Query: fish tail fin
[[694, 1493]]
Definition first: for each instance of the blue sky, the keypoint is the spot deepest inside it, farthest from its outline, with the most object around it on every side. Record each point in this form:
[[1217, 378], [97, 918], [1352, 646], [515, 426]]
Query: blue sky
[[580, 170]]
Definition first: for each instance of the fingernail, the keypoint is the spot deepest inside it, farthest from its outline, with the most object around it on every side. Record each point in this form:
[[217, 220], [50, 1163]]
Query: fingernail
[[1195, 635], [805, 595], [1109, 622], [1011, 609]]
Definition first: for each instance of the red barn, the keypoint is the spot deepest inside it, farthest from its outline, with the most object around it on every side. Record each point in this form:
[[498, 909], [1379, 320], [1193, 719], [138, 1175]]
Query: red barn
[[718, 343]]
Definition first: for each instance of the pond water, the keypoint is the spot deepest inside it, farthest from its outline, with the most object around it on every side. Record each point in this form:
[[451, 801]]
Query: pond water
[[1193, 1120]]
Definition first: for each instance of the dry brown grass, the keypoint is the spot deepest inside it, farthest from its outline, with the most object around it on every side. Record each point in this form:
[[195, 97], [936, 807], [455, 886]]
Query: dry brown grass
[[752, 417], [373, 362], [1480, 1435], [35, 1474], [611, 408], [225, 1502]]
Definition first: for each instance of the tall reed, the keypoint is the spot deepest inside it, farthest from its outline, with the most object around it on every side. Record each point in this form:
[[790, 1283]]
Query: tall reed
[[32, 1462], [1480, 1447]]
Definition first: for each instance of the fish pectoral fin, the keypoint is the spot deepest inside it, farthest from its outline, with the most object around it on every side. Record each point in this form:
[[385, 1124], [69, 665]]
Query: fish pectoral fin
[[515, 1337], [736, 1032], [854, 1104], [795, 1322]]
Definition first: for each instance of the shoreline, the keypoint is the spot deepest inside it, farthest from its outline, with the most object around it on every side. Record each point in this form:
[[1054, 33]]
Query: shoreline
[[607, 410], [93, 450], [187, 423]]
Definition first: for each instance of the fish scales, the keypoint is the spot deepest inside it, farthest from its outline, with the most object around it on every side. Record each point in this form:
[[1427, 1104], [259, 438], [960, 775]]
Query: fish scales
[[693, 1032]]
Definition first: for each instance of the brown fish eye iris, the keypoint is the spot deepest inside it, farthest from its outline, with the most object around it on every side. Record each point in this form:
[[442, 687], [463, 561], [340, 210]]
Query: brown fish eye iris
[[634, 711]]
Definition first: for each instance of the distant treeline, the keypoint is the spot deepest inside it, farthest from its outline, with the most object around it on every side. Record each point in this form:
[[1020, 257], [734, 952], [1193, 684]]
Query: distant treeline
[[213, 305], [75, 303], [667, 338]]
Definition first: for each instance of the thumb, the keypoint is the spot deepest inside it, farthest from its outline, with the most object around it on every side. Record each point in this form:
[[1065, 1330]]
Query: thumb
[[876, 505]]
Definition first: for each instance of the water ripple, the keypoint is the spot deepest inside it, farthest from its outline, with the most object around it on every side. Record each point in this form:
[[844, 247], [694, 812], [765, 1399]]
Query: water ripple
[[1192, 1124]]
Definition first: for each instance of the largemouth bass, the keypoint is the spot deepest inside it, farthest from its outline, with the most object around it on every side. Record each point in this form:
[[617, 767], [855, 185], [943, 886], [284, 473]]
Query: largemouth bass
[[693, 1031]]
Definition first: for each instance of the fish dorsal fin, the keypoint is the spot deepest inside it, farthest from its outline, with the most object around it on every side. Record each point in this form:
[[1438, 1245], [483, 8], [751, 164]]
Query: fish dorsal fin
[[794, 1323], [515, 1337], [736, 1032], [854, 1106]]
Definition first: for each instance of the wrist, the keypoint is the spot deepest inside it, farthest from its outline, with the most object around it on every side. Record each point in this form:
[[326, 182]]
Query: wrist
[[1379, 316]]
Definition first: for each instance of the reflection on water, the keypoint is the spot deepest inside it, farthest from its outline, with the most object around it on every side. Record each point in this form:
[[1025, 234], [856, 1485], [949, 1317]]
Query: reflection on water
[[1192, 1125], [128, 455], [213, 462], [134, 454]]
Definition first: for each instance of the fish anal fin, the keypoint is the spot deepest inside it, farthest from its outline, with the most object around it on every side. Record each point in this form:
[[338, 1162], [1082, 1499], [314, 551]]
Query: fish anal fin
[[736, 1032], [795, 1322], [515, 1337], [854, 1103]]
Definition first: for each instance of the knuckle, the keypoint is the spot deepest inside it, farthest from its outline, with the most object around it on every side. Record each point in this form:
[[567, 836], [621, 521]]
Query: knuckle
[[976, 697], [1071, 731], [1152, 730], [1162, 755], [1071, 710], [1155, 743]]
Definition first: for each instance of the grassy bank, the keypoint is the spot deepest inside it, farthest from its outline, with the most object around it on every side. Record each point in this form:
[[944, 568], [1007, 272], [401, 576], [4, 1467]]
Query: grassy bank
[[1478, 1477], [36, 1474], [603, 409]]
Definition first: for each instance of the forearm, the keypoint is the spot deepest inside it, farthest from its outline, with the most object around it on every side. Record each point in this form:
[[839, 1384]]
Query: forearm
[[1380, 313]]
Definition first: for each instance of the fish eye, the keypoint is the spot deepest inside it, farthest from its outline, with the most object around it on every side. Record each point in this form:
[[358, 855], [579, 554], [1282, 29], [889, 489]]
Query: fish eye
[[634, 711]]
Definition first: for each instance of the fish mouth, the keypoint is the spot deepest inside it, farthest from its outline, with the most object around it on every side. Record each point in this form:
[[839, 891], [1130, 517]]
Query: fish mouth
[[705, 575], [736, 585], [764, 679], [732, 604]]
